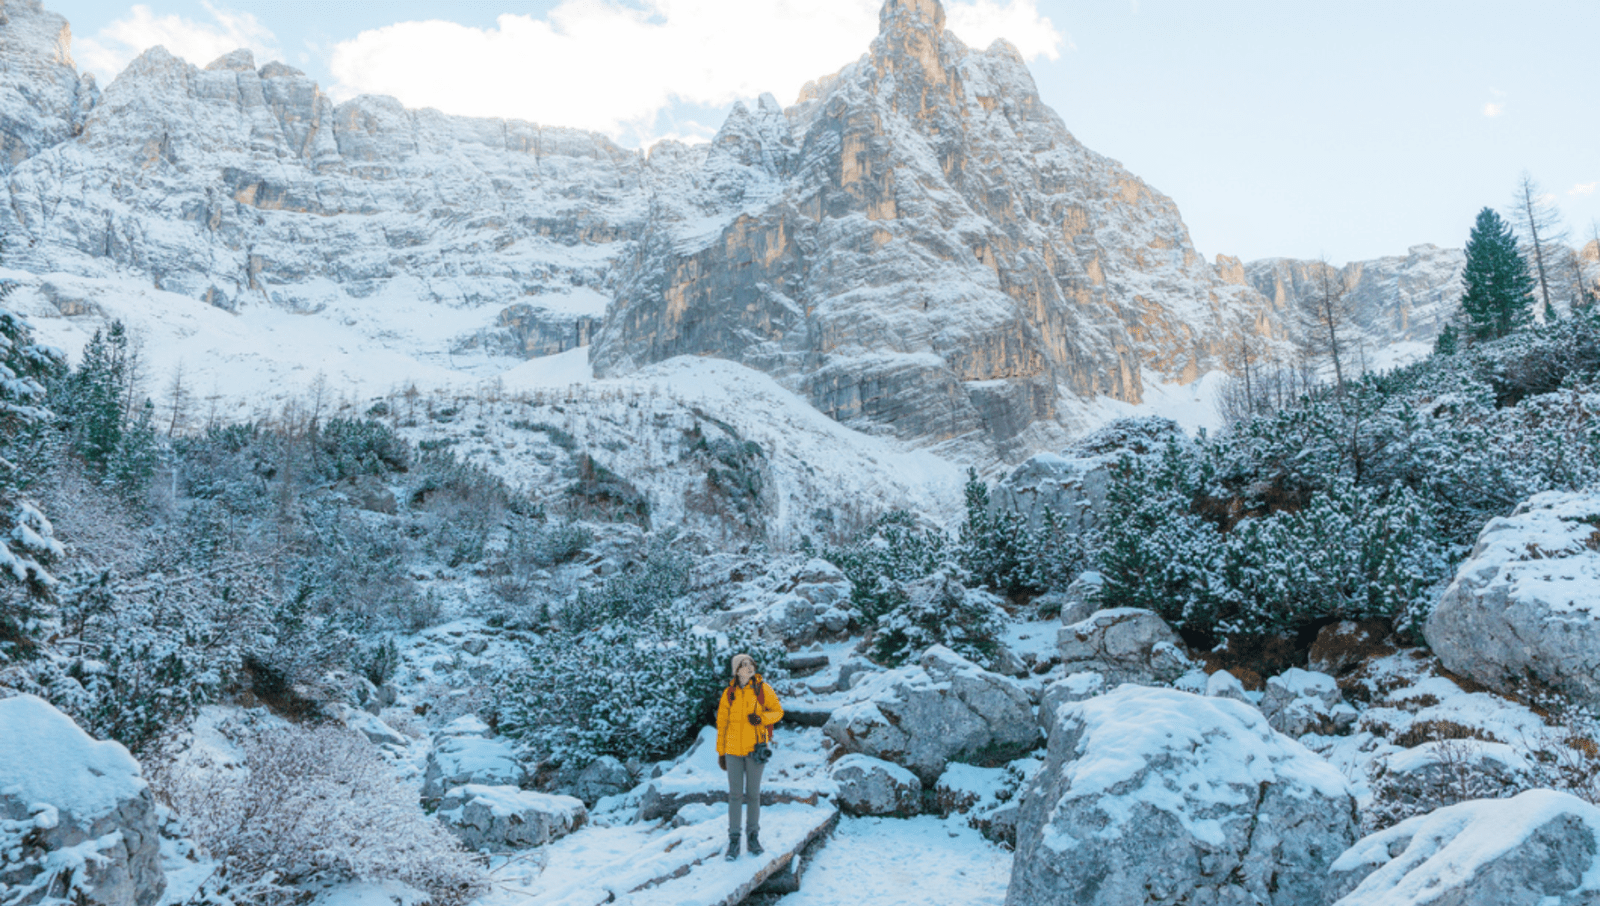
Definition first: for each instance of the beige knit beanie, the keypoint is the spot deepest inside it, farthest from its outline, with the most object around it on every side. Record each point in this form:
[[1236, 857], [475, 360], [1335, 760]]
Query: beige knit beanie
[[733, 666]]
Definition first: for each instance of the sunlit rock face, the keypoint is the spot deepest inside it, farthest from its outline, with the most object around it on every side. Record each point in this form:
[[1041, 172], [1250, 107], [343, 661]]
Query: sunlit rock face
[[1400, 297], [918, 244]]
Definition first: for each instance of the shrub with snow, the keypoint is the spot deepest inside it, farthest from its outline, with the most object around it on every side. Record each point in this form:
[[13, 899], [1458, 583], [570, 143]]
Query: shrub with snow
[[313, 805]]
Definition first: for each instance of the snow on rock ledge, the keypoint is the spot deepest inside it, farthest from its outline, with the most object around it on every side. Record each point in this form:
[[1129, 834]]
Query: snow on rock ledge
[[943, 709], [1526, 604], [1540, 848], [76, 819], [1157, 796], [505, 817]]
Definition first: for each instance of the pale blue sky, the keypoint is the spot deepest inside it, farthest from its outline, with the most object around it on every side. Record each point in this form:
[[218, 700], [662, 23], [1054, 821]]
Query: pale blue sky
[[1350, 129]]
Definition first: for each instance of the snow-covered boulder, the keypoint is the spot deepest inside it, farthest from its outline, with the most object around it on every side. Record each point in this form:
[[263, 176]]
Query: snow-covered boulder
[[1074, 688], [462, 760], [504, 817], [872, 786], [1539, 848], [1082, 597], [944, 708], [77, 821], [793, 602], [1526, 604], [1297, 702], [1222, 684], [1156, 796], [605, 776], [1126, 644]]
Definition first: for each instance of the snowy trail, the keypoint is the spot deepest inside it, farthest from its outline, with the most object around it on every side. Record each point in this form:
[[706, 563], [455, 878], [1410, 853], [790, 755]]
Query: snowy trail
[[678, 866]]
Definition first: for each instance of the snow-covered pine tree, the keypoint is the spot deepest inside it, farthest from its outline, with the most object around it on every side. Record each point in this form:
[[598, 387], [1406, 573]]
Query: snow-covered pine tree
[[1498, 288], [27, 543]]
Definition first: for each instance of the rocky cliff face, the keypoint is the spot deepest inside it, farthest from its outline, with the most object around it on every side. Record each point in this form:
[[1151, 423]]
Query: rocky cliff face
[[918, 243], [1402, 297]]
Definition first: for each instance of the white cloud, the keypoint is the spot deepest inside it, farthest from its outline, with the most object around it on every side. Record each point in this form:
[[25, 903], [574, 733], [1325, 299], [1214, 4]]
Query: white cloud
[[114, 46], [1583, 188], [612, 68]]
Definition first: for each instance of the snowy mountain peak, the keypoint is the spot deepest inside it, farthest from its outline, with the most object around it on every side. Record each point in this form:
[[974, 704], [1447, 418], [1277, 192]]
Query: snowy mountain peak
[[921, 15], [918, 246]]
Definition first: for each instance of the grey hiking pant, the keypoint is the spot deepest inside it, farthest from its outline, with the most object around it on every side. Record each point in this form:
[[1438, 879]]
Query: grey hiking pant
[[744, 787]]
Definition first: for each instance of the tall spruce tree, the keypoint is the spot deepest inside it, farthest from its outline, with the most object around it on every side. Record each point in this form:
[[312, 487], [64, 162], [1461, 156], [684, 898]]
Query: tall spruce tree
[[1498, 289]]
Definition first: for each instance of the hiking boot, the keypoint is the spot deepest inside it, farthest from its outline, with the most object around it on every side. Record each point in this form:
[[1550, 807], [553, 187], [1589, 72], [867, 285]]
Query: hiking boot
[[733, 847], [753, 845]]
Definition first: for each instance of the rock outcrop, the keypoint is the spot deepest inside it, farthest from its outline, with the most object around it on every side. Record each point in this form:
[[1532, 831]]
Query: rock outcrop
[[1072, 484], [943, 709], [77, 821], [1539, 848], [470, 759], [1125, 645], [1297, 702], [1400, 297], [1524, 608], [1162, 797], [504, 817]]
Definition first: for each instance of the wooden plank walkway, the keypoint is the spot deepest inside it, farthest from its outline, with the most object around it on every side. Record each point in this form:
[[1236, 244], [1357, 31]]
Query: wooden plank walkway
[[685, 866]]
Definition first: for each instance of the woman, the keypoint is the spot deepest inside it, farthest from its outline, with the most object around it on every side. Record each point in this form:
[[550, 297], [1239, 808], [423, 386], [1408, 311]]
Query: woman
[[745, 715]]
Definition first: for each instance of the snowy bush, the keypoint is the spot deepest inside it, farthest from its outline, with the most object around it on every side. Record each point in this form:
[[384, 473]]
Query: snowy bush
[[353, 447], [895, 551], [939, 610], [314, 805], [633, 687]]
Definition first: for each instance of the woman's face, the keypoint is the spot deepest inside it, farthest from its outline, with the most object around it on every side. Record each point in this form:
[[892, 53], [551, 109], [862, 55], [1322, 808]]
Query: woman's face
[[745, 672]]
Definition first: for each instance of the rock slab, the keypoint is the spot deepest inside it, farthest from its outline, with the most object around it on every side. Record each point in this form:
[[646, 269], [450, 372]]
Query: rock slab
[[1524, 609], [1161, 797], [945, 708], [1538, 848], [77, 821], [504, 817]]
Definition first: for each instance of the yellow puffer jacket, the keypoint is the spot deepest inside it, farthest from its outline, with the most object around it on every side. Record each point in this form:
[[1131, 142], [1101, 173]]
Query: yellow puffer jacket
[[736, 735]]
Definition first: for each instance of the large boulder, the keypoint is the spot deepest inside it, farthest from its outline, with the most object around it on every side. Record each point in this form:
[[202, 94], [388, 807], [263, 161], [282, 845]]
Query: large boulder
[[1526, 605], [77, 821], [462, 760], [1539, 848], [1126, 645], [872, 786], [1298, 702], [1161, 797], [504, 817], [944, 708], [1074, 688]]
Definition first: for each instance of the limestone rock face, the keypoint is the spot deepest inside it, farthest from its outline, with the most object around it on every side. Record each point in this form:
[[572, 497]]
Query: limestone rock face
[[872, 786], [1538, 848], [1526, 604], [43, 100], [919, 242], [1162, 797], [77, 822], [943, 709], [1400, 297]]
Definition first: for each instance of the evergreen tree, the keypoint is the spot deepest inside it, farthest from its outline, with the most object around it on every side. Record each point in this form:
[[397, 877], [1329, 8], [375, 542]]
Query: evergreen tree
[[1499, 290], [1448, 341]]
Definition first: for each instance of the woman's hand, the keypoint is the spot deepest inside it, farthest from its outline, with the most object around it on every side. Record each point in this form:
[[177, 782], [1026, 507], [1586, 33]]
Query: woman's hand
[[722, 762], [755, 719]]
